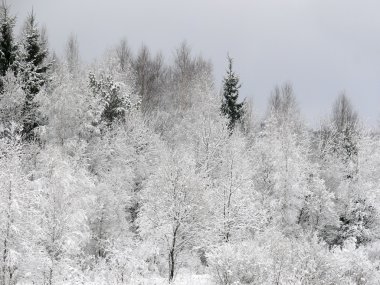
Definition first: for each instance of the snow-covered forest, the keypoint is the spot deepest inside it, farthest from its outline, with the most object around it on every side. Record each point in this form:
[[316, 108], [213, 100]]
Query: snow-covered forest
[[140, 169]]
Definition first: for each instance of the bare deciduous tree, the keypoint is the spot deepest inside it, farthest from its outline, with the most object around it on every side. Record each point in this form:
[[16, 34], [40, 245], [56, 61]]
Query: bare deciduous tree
[[344, 117], [72, 53], [123, 54]]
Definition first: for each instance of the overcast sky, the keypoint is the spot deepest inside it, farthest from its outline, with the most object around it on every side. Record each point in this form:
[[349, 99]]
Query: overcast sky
[[321, 46]]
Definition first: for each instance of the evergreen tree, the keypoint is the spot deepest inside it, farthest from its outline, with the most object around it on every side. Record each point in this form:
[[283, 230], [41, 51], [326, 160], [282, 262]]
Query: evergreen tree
[[31, 70], [7, 44], [112, 101], [230, 107]]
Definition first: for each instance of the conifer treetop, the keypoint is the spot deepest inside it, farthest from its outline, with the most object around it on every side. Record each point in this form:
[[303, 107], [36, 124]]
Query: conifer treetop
[[230, 108]]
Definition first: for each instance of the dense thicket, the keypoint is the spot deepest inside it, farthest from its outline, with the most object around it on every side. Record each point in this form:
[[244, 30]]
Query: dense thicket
[[126, 171]]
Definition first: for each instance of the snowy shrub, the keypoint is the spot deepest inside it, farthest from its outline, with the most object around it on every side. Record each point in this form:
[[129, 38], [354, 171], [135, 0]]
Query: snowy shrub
[[354, 265], [243, 263], [283, 260], [122, 265]]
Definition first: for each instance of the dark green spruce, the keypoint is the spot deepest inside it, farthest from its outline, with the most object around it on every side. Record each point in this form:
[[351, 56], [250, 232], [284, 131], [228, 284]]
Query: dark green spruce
[[230, 106], [31, 68], [8, 47]]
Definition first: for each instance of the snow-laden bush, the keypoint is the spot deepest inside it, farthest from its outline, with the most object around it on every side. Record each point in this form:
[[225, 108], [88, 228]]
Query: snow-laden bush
[[243, 263], [355, 265], [121, 266], [275, 259]]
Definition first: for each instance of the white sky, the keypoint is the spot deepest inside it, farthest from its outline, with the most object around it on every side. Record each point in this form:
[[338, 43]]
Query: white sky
[[322, 46]]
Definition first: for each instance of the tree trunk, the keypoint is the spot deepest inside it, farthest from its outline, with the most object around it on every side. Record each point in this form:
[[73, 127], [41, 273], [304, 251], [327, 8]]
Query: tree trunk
[[172, 255], [5, 268], [171, 265]]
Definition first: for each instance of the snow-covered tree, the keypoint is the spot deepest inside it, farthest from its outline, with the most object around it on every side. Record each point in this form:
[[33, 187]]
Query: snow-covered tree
[[113, 98], [338, 154], [170, 214], [124, 55], [8, 46], [72, 54], [31, 68], [280, 156], [11, 99], [234, 213], [63, 206], [18, 215]]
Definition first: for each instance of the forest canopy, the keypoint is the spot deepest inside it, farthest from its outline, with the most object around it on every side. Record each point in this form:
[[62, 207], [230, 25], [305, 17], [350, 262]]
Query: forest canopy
[[136, 169]]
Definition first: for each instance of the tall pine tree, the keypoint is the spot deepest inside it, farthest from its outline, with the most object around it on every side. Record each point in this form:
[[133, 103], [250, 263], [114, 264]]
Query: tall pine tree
[[230, 108], [8, 46], [32, 66]]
